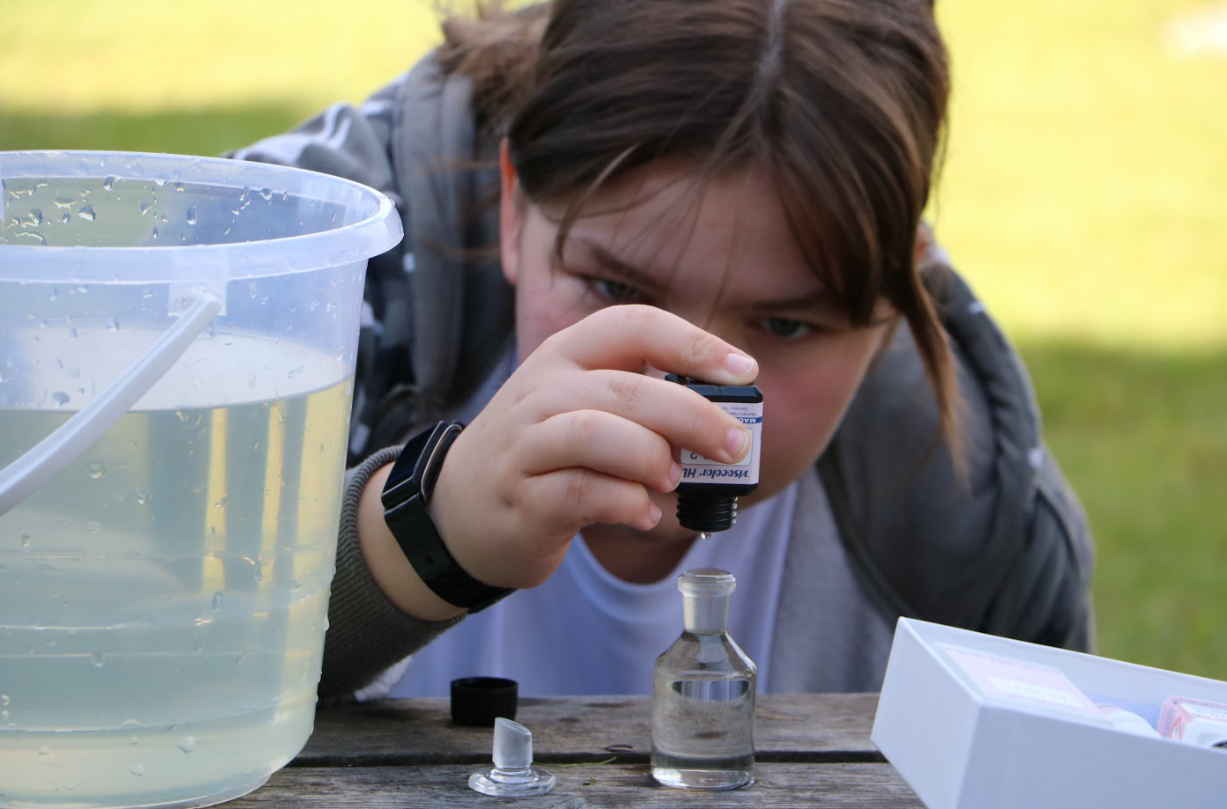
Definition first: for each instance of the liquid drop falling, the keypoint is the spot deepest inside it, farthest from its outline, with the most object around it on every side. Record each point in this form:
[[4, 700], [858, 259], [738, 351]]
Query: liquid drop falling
[[705, 534]]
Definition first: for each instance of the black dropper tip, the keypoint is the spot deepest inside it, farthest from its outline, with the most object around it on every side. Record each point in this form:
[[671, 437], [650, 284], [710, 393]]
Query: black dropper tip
[[706, 513]]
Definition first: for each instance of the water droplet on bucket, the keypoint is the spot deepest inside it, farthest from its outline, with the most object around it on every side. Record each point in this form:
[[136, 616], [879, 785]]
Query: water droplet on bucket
[[66, 218], [5, 699], [217, 600], [97, 469], [34, 219], [267, 193], [137, 769], [108, 183], [97, 659], [93, 527], [142, 496], [72, 334], [191, 216], [60, 398], [113, 324], [87, 213], [241, 657], [4, 715], [188, 743], [44, 750], [25, 545], [259, 571]]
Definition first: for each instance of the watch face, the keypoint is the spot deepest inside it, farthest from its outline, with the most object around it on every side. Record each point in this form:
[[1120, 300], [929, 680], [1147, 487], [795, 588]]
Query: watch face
[[403, 481]]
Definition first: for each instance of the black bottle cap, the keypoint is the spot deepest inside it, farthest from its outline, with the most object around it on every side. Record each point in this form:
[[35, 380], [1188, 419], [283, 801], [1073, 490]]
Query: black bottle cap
[[478, 701]]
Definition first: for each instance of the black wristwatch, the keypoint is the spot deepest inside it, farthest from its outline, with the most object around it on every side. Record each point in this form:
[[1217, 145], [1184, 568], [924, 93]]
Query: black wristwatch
[[405, 497]]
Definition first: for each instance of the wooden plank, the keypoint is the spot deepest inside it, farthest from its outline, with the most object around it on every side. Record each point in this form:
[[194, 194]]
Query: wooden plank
[[789, 727], [609, 786]]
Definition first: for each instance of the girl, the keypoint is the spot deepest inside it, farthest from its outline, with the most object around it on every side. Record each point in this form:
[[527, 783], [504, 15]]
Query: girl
[[725, 190]]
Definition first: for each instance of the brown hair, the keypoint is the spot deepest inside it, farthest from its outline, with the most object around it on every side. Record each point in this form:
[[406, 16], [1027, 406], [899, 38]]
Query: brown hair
[[841, 102]]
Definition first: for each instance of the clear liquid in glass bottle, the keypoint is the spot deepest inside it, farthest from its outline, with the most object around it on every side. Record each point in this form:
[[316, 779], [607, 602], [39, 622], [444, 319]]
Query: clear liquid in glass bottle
[[703, 694]]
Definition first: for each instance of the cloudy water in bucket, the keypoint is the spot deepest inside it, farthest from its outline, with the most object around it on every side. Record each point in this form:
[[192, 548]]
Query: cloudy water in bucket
[[162, 602]]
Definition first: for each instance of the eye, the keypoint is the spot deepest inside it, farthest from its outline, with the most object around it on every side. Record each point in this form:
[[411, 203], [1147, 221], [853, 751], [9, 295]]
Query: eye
[[615, 291], [785, 328]]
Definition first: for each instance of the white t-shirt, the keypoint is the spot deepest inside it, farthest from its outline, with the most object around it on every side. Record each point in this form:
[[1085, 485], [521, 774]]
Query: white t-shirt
[[584, 631]]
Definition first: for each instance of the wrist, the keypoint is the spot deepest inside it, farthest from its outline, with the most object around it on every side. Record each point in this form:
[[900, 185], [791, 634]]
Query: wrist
[[406, 498], [388, 564]]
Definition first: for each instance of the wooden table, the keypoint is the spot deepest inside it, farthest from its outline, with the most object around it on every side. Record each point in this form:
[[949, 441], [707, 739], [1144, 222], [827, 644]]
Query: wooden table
[[812, 750]]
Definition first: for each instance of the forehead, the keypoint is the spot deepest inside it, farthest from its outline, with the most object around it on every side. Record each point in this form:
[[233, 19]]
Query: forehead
[[678, 227]]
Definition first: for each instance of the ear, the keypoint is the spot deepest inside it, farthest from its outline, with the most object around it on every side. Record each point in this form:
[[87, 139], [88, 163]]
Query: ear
[[511, 215]]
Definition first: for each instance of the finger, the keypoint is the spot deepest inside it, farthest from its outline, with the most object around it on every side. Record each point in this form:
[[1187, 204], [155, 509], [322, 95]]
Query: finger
[[681, 416], [584, 497], [605, 443], [631, 336]]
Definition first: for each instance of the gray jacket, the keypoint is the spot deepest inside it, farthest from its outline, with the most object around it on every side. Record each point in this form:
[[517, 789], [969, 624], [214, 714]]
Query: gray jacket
[[1006, 552]]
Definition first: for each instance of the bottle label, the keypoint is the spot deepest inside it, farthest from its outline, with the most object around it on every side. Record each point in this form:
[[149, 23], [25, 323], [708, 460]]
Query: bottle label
[[697, 469]]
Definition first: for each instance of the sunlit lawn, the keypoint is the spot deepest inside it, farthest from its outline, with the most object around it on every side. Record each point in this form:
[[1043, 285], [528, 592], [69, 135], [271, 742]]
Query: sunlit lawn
[[1085, 195]]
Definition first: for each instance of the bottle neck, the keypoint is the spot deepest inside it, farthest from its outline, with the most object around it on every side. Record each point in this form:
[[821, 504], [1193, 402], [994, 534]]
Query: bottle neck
[[705, 615]]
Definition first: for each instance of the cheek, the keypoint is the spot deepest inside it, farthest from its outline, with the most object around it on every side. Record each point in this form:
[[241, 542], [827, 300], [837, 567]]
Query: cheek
[[802, 407], [544, 305]]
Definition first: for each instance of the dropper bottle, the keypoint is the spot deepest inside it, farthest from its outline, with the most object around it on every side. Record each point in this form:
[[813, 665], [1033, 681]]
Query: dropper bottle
[[707, 494], [703, 693]]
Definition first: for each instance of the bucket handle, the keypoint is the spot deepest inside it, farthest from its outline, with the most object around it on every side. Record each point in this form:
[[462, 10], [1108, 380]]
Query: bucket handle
[[54, 453]]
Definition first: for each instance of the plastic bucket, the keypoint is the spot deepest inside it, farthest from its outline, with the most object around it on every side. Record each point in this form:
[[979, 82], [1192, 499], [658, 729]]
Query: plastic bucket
[[177, 349]]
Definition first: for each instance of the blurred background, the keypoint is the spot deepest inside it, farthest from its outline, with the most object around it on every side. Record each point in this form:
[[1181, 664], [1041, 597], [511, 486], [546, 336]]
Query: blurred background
[[1084, 196]]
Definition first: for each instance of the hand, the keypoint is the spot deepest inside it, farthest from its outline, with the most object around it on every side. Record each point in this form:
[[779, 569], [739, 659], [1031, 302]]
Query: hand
[[578, 435]]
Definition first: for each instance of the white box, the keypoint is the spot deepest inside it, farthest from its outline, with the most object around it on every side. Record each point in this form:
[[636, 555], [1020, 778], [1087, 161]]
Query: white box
[[961, 746]]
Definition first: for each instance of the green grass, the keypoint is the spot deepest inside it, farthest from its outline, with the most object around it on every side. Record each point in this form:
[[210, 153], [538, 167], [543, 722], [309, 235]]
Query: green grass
[[1084, 194]]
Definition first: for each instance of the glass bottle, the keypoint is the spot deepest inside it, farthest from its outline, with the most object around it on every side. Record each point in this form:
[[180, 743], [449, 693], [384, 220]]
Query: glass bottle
[[703, 692]]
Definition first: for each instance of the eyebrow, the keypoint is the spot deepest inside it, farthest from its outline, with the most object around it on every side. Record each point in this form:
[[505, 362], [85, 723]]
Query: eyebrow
[[625, 271], [818, 299]]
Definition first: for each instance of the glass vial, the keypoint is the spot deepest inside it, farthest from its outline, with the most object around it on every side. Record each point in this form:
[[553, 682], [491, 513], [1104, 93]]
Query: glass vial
[[707, 494], [703, 693]]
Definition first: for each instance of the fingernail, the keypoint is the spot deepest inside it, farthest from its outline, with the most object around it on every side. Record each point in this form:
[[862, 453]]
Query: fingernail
[[738, 364], [675, 473], [736, 439], [655, 513]]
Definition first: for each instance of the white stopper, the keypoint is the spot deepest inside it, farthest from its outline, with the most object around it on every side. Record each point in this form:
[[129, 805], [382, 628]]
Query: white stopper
[[513, 745]]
